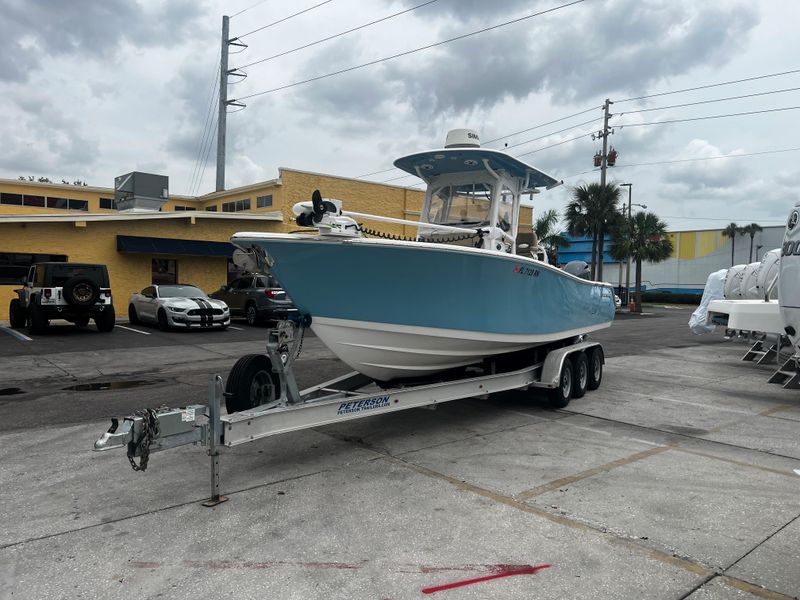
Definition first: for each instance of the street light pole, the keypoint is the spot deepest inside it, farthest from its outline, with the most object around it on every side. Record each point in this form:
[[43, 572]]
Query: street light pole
[[628, 267]]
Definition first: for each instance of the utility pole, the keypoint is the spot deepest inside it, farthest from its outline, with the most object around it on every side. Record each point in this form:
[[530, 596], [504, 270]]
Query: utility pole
[[603, 165], [222, 119]]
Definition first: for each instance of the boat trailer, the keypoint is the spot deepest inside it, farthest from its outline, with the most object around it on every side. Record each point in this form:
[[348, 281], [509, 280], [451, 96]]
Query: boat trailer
[[566, 371]]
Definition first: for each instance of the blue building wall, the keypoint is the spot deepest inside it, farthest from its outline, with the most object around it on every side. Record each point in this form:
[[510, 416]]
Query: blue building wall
[[581, 249]]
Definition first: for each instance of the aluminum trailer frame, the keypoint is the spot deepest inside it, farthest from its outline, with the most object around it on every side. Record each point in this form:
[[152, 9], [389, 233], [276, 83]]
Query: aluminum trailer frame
[[352, 396]]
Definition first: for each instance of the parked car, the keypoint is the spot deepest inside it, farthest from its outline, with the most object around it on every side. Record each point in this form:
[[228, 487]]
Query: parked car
[[257, 297], [180, 306], [617, 301], [76, 292]]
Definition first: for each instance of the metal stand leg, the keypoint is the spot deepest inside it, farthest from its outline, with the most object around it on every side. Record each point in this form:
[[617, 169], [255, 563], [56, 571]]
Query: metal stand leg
[[215, 431]]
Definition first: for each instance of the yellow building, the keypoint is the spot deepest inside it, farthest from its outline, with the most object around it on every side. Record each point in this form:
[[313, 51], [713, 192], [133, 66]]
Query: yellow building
[[186, 241]]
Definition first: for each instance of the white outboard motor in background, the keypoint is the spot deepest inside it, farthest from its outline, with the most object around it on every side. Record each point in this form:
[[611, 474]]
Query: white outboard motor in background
[[789, 278], [770, 265], [578, 268], [733, 282], [714, 290]]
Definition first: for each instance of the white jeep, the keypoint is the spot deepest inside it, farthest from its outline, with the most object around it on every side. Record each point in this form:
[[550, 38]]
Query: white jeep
[[75, 292]]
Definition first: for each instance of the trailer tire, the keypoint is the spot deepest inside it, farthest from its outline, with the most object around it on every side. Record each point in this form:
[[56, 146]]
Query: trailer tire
[[580, 382], [562, 394], [596, 362], [251, 383]]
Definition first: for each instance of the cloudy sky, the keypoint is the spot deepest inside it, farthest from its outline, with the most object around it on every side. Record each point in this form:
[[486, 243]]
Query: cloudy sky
[[91, 90]]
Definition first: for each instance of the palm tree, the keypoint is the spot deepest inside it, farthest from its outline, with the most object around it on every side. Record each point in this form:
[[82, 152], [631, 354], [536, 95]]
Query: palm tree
[[547, 234], [643, 239], [751, 230], [592, 210], [731, 231]]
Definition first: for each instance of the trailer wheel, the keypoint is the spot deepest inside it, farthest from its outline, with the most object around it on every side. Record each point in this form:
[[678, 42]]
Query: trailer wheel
[[580, 365], [251, 383], [596, 361], [561, 395]]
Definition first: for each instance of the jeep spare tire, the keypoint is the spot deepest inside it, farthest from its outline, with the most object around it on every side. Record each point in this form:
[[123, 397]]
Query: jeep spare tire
[[81, 291]]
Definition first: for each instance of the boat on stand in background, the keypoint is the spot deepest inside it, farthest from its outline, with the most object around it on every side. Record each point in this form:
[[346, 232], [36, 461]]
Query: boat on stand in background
[[402, 310]]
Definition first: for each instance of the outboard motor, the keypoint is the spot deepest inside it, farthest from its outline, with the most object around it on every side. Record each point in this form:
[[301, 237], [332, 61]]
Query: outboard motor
[[578, 268], [789, 278], [325, 215]]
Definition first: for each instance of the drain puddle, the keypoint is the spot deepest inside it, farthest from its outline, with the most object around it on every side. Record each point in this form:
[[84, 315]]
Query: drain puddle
[[11, 391], [111, 385]]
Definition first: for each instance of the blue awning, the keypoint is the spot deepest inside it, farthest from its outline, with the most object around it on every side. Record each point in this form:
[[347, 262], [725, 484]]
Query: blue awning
[[154, 245]]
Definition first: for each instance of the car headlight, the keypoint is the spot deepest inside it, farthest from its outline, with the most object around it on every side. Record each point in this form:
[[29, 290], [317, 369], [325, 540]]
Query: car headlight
[[176, 309]]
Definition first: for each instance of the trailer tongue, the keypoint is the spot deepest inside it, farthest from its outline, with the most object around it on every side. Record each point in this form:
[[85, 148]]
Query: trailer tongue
[[267, 384]]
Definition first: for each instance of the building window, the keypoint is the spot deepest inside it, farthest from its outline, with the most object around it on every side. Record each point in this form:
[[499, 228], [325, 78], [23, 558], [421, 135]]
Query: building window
[[212, 208], [33, 201], [57, 203], [108, 204], [15, 199], [15, 265], [264, 201], [78, 204], [236, 205], [180, 208], [164, 271]]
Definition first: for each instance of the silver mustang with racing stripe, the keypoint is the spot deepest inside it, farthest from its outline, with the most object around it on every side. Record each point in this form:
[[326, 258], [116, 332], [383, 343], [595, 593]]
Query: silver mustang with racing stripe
[[179, 307]]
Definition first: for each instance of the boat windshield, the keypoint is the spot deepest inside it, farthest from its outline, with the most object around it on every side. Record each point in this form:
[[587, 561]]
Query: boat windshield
[[460, 205]]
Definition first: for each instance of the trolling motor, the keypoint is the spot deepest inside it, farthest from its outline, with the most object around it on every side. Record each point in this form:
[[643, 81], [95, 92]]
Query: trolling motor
[[325, 215]]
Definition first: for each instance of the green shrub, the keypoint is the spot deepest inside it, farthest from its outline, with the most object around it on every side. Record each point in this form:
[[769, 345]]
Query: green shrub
[[671, 298]]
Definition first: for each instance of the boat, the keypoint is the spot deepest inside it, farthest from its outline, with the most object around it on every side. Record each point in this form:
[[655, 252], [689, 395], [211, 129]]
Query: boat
[[455, 294]]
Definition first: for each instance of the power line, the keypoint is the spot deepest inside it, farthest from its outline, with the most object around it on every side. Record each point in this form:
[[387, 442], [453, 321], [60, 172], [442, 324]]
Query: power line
[[516, 133], [376, 172], [552, 133], [741, 114], [209, 110], [685, 160], [583, 112], [205, 159], [330, 37], [572, 139], [408, 52], [794, 89], [238, 37], [711, 85], [248, 8], [724, 219]]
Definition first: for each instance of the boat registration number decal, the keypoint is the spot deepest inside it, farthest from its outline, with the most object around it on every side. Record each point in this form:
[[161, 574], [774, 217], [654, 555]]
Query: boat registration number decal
[[529, 271], [346, 408]]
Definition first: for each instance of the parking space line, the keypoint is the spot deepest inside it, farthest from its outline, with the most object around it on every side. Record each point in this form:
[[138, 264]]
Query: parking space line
[[132, 329], [554, 485], [236, 328], [16, 334]]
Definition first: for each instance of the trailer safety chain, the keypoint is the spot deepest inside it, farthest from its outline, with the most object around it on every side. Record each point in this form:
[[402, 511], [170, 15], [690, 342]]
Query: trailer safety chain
[[150, 431], [451, 239], [300, 346]]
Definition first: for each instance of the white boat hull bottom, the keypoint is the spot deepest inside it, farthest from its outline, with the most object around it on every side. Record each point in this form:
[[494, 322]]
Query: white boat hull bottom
[[386, 352]]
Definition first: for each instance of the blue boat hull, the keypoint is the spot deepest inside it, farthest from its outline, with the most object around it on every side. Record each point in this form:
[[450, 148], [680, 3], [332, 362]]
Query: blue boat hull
[[405, 309]]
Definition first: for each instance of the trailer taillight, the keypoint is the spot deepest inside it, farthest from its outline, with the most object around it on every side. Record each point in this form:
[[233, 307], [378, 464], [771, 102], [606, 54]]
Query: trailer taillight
[[108, 294], [48, 293]]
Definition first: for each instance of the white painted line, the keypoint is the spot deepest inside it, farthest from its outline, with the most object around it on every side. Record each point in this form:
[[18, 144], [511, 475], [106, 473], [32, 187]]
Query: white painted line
[[797, 471], [16, 334], [236, 328], [132, 329]]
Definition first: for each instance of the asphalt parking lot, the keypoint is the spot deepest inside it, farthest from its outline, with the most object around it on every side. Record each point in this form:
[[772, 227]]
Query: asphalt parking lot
[[676, 479]]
